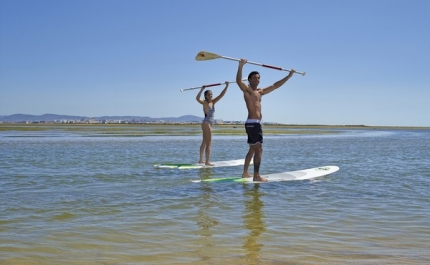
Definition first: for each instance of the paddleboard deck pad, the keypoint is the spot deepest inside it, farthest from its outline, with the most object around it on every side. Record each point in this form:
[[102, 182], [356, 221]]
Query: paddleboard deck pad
[[229, 163], [284, 176]]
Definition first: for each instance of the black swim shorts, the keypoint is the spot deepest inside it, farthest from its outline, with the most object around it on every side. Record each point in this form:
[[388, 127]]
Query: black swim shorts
[[255, 133]]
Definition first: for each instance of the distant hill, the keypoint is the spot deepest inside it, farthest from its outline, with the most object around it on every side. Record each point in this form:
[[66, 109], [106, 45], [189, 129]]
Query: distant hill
[[56, 117]]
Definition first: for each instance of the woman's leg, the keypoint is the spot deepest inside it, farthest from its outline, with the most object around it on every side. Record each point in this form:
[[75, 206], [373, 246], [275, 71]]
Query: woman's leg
[[207, 139], [202, 146]]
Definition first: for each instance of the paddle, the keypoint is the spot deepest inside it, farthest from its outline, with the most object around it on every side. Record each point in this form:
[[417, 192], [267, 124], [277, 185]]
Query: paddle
[[217, 84], [204, 56]]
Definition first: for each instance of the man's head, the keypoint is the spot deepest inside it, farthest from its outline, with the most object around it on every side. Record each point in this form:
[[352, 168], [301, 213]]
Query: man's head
[[254, 79], [252, 74]]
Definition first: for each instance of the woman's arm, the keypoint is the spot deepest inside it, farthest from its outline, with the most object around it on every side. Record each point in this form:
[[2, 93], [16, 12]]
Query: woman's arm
[[198, 97], [215, 100]]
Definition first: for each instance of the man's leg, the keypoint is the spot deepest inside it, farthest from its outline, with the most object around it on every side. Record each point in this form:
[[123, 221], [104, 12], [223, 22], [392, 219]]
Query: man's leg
[[248, 158], [258, 151]]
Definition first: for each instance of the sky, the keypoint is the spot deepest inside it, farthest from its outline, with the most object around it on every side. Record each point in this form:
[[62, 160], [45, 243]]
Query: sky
[[367, 62]]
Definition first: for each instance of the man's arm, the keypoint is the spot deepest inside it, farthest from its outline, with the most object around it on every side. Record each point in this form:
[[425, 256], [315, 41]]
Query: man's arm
[[277, 84], [239, 82]]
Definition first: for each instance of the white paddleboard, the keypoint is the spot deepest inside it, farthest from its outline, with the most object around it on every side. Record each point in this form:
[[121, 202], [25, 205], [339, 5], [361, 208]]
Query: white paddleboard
[[284, 176], [229, 163]]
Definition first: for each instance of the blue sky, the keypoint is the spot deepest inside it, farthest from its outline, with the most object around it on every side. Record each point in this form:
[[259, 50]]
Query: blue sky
[[367, 62]]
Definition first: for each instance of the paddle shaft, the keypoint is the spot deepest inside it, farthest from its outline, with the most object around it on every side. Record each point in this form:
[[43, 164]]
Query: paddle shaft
[[260, 64], [210, 85]]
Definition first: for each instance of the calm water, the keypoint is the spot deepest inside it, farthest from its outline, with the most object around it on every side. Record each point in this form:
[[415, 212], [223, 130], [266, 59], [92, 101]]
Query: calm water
[[77, 199]]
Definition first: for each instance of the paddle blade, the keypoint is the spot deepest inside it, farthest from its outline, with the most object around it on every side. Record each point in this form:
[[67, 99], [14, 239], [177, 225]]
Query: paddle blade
[[203, 56]]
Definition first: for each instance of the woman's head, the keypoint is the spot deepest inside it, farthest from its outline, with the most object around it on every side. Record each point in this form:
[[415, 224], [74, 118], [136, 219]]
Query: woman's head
[[208, 95]]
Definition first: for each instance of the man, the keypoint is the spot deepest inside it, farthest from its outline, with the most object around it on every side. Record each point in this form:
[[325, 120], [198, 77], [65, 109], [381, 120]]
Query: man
[[252, 95]]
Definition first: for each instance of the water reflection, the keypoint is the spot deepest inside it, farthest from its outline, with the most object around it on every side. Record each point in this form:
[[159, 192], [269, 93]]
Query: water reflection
[[205, 219], [253, 221], [205, 173]]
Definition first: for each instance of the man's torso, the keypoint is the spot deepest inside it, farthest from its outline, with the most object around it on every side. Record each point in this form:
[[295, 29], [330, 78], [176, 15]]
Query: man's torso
[[253, 103]]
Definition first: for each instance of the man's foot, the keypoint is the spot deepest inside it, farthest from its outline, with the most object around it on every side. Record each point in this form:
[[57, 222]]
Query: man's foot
[[201, 162], [259, 178], [209, 164], [246, 175]]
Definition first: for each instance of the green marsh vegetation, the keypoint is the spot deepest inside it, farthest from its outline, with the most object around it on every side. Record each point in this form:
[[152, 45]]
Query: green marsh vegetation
[[178, 129]]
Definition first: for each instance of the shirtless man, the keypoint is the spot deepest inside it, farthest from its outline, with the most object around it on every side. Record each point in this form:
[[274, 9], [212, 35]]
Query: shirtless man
[[252, 96]]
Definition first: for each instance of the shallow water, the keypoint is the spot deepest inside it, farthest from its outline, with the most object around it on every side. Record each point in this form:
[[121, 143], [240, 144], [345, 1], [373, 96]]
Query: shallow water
[[72, 198]]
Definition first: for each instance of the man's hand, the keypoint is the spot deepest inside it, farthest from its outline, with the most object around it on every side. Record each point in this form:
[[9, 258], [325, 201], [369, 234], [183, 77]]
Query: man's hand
[[292, 71]]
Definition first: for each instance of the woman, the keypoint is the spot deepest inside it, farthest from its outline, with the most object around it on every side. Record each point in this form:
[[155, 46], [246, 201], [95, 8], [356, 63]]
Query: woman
[[209, 110]]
